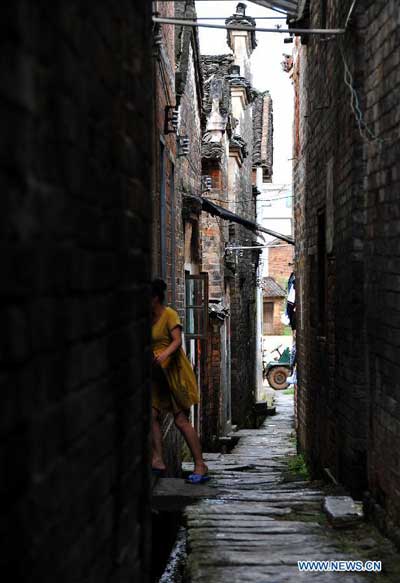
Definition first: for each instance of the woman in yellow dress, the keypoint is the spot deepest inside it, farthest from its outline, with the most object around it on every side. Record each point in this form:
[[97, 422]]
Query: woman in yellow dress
[[174, 386]]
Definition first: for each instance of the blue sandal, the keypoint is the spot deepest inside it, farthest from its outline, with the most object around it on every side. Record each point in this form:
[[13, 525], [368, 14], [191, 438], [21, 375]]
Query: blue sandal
[[197, 478]]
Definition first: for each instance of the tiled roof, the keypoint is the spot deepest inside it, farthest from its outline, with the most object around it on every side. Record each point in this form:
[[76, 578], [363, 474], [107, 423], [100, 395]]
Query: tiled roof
[[272, 289], [263, 131]]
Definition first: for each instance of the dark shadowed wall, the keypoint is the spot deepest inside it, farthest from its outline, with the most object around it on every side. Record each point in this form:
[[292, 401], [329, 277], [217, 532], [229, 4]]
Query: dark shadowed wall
[[348, 225], [75, 162]]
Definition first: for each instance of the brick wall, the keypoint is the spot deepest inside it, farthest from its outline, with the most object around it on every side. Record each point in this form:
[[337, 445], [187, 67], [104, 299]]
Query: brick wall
[[214, 231], [167, 201], [274, 327], [280, 262], [280, 266], [188, 167], [273, 308], [333, 385], [232, 276], [243, 334], [381, 212], [243, 289], [189, 90], [75, 246], [211, 389], [164, 174], [214, 236], [348, 404]]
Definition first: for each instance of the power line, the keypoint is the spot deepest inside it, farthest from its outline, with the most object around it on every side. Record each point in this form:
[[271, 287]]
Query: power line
[[276, 198], [246, 200], [244, 247]]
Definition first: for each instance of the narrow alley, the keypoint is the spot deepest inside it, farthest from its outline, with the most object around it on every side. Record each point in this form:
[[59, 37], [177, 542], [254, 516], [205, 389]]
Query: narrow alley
[[266, 517], [200, 291]]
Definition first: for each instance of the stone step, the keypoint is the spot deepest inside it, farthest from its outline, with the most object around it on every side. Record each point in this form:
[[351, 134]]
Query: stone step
[[174, 494]]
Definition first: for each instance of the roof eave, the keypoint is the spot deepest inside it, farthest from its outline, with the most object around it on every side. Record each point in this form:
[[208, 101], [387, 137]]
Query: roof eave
[[293, 8]]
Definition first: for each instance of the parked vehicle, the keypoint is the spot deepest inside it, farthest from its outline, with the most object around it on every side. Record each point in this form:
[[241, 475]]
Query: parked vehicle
[[278, 370]]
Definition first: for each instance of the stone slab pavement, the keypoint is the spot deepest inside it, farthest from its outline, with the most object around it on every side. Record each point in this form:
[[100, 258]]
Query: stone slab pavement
[[264, 518]]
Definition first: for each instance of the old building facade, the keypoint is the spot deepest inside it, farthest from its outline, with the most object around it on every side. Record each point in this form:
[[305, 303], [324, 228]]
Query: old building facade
[[176, 192], [279, 256], [242, 200], [205, 155], [274, 297], [76, 162], [228, 257], [194, 292], [167, 238], [347, 211], [217, 130]]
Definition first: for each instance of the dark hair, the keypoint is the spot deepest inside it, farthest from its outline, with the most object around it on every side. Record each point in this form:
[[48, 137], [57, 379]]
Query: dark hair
[[158, 287]]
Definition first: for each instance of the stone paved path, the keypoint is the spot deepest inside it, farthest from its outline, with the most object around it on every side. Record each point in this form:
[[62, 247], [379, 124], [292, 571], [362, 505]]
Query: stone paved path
[[264, 520]]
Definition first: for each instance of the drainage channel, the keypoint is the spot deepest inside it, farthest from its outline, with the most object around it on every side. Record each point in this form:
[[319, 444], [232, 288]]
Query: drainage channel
[[171, 496], [168, 546], [174, 571]]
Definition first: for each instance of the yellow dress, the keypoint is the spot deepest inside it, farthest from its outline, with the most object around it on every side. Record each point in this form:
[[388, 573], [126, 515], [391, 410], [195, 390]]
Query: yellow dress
[[174, 386]]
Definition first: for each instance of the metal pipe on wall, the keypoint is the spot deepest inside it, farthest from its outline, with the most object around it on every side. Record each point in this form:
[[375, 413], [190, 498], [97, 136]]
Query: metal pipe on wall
[[193, 23]]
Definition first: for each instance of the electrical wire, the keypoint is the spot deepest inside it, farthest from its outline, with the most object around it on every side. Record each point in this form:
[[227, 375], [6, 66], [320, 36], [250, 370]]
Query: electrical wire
[[353, 5], [365, 131], [252, 200]]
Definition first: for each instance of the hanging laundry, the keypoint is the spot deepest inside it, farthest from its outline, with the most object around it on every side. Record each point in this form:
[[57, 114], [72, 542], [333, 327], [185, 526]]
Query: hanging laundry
[[291, 301]]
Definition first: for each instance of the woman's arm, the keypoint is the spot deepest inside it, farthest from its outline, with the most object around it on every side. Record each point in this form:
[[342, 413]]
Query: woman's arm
[[176, 334]]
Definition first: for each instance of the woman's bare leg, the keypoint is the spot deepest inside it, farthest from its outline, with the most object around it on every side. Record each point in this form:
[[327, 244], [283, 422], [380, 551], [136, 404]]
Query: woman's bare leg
[[157, 460], [193, 441]]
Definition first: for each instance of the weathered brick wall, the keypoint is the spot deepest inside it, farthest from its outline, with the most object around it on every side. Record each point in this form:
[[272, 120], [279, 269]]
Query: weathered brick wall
[[300, 130], [243, 289], [211, 389], [382, 215], [232, 277], [280, 262], [188, 183], [333, 385], [243, 324], [167, 216], [164, 146], [279, 310], [214, 236], [75, 246], [213, 253], [280, 266], [348, 404]]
